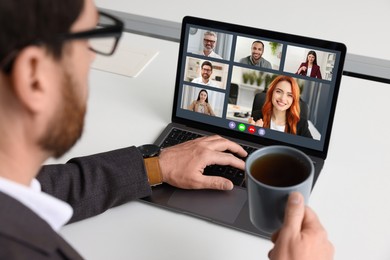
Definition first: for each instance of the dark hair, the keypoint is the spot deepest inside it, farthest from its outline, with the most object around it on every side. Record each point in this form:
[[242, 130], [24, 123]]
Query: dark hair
[[258, 42], [315, 57], [35, 22], [207, 63], [203, 90]]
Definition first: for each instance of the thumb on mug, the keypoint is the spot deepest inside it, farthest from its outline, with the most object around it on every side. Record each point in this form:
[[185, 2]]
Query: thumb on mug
[[294, 213]]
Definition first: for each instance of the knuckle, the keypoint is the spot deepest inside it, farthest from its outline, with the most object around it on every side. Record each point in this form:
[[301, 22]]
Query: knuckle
[[215, 184]]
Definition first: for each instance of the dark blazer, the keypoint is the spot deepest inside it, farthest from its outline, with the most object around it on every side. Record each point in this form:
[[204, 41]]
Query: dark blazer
[[302, 126], [90, 184], [24, 235], [315, 71]]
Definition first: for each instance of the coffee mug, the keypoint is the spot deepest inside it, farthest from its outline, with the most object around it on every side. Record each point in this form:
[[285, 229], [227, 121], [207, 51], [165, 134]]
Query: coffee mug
[[272, 173]]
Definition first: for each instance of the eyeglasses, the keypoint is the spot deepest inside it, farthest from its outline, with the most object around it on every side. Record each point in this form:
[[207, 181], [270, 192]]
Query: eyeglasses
[[209, 41], [103, 39], [207, 70]]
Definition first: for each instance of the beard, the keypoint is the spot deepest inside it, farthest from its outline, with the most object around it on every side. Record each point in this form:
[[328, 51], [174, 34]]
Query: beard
[[205, 76], [66, 127]]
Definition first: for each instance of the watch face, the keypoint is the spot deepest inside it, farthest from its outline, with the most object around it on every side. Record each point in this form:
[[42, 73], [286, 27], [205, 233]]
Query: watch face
[[149, 150]]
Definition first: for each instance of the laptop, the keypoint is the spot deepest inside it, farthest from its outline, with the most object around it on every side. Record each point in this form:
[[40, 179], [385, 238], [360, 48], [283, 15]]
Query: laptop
[[236, 86]]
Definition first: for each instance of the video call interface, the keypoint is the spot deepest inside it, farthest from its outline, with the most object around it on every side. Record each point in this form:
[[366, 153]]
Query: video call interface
[[232, 80]]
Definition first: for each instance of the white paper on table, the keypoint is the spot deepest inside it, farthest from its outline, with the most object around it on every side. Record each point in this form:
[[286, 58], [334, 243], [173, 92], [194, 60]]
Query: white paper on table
[[125, 61]]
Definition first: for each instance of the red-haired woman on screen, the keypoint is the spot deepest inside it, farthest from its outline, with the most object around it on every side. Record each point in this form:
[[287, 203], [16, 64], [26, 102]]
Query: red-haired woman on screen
[[281, 111]]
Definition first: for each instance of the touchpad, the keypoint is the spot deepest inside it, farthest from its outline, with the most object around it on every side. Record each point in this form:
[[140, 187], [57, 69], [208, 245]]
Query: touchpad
[[220, 205]]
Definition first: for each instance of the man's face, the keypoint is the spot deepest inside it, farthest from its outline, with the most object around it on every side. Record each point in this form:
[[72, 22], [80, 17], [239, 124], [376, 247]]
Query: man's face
[[257, 51], [65, 127], [209, 42], [206, 72]]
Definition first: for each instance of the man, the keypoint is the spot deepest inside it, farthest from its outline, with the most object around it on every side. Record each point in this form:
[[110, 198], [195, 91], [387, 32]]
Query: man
[[46, 48], [209, 41], [206, 69], [45, 56], [256, 59]]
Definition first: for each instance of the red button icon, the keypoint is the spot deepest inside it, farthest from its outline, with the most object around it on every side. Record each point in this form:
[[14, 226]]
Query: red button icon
[[251, 129]]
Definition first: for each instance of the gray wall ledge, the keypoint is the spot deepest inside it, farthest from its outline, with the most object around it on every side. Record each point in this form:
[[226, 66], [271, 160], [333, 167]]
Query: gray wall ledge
[[355, 65]]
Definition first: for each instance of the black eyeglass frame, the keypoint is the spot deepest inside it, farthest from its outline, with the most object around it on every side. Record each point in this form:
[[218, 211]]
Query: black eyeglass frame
[[106, 31]]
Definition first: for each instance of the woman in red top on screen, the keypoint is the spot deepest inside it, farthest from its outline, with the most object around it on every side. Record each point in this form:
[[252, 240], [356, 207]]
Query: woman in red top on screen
[[281, 110], [310, 67]]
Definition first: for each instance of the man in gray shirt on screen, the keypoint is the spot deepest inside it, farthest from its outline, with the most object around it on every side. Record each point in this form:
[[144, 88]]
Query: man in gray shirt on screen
[[256, 59]]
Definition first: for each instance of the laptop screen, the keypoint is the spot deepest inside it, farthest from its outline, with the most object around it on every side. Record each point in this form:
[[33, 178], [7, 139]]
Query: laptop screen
[[258, 85]]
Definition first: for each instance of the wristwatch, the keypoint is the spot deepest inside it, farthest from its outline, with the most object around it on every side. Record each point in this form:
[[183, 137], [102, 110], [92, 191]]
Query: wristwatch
[[149, 150], [150, 153]]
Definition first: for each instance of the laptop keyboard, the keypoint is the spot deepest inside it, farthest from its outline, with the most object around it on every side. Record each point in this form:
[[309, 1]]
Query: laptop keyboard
[[237, 176]]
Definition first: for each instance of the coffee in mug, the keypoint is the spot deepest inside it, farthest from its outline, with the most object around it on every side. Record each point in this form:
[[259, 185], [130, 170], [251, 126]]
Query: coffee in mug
[[279, 170], [272, 173]]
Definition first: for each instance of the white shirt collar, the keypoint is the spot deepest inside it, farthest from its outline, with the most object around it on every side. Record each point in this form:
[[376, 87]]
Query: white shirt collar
[[54, 211], [274, 126]]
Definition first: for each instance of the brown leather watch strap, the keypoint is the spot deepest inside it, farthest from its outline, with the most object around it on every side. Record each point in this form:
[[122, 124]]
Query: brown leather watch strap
[[153, 171]]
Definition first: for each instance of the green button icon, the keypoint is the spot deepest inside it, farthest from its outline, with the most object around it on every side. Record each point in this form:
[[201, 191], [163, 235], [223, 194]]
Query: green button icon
[[241, 127]]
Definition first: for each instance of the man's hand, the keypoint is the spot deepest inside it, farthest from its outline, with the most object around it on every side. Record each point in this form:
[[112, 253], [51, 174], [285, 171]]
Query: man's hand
[[302, 236], [183, 165]]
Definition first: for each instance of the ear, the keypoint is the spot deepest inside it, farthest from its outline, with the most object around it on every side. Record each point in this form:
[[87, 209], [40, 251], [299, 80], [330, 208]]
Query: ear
[[28, 77]]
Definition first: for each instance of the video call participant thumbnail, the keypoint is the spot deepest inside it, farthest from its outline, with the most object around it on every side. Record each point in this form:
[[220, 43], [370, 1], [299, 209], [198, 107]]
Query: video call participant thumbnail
[[281, 109], [256, 59]]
